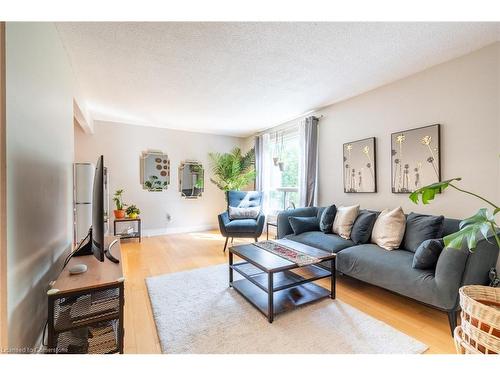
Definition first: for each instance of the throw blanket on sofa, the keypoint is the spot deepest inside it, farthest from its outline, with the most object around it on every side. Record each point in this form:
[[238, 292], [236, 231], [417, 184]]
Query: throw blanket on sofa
[[295, 256]]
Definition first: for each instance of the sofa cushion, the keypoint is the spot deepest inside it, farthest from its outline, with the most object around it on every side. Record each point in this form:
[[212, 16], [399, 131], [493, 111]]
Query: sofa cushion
[[420, 228], [326, 219], [303, 224], [362, 227], [344, 219], [320, 240], [427, 254], [389, 229], [390, 270], [242, 226]]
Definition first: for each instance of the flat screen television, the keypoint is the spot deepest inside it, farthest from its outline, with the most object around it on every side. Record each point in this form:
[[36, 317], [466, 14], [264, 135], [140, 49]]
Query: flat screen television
[[96, 244], [97, 236]]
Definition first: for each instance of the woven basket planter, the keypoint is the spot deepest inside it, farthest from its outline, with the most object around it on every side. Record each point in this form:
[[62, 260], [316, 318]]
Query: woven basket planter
[[479, 331]]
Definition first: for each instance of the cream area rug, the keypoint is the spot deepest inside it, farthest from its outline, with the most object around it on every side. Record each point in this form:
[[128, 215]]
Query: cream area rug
[[196, 312]]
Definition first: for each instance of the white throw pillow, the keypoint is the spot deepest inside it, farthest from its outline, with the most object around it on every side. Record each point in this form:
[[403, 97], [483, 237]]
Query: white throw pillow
[[244, 212], [389, 229], [344, 219]]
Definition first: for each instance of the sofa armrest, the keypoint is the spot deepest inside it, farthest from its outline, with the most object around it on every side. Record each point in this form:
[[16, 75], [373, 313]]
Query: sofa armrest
[[223, 221], [456, 268], [284, 227]]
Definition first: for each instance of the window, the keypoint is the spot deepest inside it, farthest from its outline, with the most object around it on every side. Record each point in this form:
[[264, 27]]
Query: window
[[282, 164]]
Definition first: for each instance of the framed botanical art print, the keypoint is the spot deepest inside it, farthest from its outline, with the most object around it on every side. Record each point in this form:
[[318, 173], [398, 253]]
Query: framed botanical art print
[[359, 166], [415, 158]]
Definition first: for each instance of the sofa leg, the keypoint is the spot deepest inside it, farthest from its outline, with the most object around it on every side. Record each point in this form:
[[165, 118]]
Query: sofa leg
[[225, 244], [232, 239], [256, 239], [452, 319]]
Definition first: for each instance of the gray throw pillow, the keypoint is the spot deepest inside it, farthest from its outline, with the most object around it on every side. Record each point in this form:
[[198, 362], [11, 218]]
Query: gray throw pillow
[[427, 254], [303, 224], [362, 227], [244, 212], [326, 219], [420, 228]]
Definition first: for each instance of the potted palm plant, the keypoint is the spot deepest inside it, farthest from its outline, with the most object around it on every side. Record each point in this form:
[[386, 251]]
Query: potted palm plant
[[118, 199], [233, 170]]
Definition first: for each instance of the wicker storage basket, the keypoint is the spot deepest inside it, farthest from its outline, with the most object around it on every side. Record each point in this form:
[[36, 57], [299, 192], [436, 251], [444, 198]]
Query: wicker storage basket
[[479, 331]]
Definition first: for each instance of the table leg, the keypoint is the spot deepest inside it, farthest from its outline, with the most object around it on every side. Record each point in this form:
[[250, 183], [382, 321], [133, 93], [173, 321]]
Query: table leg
[[267, 231], [270, 298], [230, 268], [333, 279]]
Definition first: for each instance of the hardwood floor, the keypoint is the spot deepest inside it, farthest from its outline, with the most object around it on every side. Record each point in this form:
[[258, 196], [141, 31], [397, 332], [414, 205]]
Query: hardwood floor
[[180, 252]]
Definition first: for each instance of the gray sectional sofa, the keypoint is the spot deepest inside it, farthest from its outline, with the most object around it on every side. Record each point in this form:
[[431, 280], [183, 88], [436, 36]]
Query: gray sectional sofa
[[393, 270]]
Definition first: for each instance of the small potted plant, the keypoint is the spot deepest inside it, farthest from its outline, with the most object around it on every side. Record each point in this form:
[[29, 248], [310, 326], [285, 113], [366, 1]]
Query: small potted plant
[[119, 212], [133, 211]]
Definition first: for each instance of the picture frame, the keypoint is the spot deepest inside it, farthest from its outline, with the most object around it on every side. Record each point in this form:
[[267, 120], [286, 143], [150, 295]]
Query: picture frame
[[359, 166], [415, 158]]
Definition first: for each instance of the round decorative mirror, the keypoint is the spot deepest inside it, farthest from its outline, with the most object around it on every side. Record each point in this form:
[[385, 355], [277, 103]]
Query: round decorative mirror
[[191, 179]]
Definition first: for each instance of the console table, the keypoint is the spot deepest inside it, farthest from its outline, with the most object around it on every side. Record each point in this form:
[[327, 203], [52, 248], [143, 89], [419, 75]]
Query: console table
[[85, 311]]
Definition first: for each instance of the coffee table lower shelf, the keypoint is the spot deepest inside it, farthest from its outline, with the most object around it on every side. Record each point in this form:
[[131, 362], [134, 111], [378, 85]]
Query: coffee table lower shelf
[[283, 300]]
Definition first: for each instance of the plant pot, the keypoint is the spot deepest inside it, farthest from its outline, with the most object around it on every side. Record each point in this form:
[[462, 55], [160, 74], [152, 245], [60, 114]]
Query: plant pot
[[132, 216], [281, 166], [119, 214], [275, 161]]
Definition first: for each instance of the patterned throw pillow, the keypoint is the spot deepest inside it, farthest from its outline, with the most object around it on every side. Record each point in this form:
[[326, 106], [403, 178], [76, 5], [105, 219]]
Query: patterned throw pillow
[[344, 219], [243, 212], [389, 229]]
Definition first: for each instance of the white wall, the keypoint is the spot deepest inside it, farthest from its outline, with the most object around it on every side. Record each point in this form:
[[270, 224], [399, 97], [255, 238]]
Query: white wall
[[122, 146], [39, 172]]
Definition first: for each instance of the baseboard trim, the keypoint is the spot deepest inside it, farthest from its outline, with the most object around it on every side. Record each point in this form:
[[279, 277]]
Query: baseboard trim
[[175, 230]]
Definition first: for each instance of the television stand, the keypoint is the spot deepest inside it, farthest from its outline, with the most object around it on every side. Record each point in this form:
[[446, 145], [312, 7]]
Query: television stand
[[108, 254], [85, 311]]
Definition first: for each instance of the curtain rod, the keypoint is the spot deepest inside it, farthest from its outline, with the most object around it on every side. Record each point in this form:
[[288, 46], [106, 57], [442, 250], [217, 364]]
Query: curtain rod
[[283, 127]]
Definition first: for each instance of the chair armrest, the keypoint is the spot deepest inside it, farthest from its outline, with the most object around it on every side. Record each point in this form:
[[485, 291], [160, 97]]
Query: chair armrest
[[456, 268], [284, 227], [223, 221]]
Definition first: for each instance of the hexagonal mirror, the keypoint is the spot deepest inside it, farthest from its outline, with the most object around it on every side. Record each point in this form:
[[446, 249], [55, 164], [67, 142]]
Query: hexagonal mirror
[[191, 179]]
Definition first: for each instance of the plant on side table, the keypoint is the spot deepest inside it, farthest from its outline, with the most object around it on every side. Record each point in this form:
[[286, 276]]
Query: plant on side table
[[133, 211], [479, 331], [118, 199]]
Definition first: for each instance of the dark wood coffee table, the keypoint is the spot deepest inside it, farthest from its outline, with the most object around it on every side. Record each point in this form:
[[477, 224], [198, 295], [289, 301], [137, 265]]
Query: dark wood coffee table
[[274, 284]]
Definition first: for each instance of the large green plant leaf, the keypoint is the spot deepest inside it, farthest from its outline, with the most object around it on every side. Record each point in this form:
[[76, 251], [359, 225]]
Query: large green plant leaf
[[470, 229], [232, 171], [428, 192]]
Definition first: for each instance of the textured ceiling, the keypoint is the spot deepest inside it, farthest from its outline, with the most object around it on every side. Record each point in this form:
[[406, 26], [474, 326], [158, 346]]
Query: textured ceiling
[[238, 78]]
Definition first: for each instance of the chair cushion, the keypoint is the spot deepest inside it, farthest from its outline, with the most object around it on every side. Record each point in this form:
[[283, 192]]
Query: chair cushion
[[320, 240], [242, 226], [362, 227], [244, 198], [420, 228], [303, 224]]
